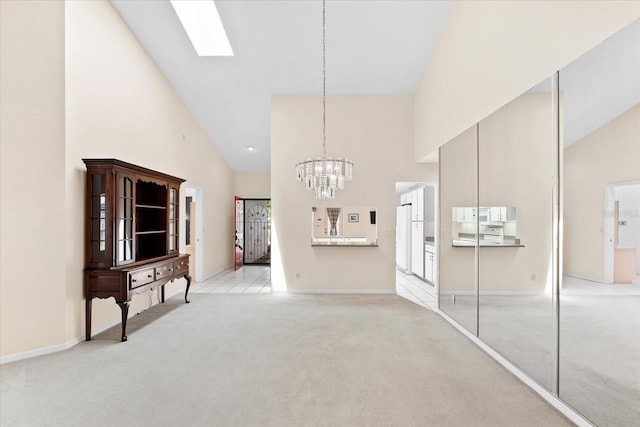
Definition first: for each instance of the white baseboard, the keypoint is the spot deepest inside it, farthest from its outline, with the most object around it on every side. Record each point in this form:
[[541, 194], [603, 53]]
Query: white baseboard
[[338, 291], [495, 293], [40, 351], [588, 279], [553, 400]]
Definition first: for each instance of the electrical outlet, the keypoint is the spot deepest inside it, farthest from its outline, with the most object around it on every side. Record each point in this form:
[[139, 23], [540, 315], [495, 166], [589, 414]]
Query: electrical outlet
[[297, 275], [533, 276]]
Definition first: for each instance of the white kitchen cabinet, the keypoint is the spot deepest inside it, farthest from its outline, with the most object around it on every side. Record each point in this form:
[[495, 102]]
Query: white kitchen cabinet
[[429, 263], [429, 204], [405, 199]]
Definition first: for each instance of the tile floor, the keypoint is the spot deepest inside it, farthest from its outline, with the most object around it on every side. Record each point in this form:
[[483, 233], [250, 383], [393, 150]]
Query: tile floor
[[250, 279], [256, 279], [416, 290]]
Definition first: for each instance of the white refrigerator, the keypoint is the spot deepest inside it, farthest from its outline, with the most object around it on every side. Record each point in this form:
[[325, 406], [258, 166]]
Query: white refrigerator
[[403, 238]]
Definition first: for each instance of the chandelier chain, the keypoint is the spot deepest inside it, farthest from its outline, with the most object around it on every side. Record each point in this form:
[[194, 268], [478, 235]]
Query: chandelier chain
[[324, 82]]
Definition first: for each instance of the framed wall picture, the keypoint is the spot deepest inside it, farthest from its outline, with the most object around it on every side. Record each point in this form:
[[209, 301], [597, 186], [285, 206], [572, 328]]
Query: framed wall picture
[[354, 217]]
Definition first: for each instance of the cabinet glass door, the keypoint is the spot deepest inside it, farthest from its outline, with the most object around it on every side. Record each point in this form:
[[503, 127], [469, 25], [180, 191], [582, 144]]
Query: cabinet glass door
[[98, 218], [124, 248], [174, 195]]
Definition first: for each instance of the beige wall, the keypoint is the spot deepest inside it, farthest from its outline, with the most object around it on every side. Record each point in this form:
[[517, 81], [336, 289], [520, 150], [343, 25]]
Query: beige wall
[[609, 155], [514, 169], [32, 155], [376, 132], [252, 184], [120, 105], [492, 51], [74, 71]]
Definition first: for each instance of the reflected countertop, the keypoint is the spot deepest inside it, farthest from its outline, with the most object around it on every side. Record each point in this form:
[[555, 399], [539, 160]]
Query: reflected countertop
[[508, 243]]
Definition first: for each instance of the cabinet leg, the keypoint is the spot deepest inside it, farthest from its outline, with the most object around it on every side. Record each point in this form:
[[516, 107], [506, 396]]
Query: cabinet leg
[[124, 307], [87, 319], [186, 292]]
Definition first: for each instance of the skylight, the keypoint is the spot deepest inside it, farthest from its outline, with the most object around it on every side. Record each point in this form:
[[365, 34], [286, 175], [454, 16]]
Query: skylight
[[202, 23]]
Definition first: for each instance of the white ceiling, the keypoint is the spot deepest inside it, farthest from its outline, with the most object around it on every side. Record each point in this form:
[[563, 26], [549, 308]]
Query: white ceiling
[[373, 47], [601, 84]]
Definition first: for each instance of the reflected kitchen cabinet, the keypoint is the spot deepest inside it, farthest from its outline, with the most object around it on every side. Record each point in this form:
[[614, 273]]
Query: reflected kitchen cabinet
[[502, 214]]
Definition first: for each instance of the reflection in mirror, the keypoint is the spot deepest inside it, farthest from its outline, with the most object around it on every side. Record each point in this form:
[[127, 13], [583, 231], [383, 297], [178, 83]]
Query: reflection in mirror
[[600, 294], [344, 226], [515, 152], [498, 226], [458, 186]]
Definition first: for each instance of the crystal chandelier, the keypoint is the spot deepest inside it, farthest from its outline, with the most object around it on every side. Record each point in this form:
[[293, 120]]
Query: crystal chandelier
[[324, 174]]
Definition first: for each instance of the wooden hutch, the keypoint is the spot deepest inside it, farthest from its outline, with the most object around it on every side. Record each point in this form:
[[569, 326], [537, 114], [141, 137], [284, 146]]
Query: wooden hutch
[[131, 231]]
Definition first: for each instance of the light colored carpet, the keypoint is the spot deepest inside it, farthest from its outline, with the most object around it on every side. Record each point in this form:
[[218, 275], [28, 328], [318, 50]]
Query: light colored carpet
[[273, 360]]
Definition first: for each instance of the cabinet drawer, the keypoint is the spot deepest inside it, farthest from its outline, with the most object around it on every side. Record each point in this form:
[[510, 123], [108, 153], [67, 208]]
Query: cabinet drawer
[[164, 270], [181, 267], [141, 278]]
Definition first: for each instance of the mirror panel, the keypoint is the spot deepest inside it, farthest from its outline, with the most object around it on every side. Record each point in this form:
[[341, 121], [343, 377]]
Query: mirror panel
[[344, 226], [515, 152], [458, 187], [599, 367]]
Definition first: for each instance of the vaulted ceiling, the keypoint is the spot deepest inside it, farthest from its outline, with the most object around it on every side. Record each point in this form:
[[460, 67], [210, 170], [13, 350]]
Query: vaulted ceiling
[[373, 47]]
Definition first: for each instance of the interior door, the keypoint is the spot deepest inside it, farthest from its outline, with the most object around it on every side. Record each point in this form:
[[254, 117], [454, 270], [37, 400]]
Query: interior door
[[239, 233]]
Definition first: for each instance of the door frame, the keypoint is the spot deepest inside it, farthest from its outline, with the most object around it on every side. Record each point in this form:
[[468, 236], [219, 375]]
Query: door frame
[[244, 236], [195, 191], [413, 185], [236, 264], [608, 226]]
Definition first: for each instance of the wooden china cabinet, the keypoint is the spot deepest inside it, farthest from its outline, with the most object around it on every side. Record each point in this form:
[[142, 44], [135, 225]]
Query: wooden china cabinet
[[131, 231]]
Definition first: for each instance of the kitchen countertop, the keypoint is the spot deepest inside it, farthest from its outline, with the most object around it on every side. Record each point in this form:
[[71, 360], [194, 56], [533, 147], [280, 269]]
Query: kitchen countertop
[[353, 241]]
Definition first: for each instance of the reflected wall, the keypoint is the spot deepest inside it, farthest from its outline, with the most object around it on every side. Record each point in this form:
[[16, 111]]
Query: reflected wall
[[458, 187], [564, 305], [515, 152]]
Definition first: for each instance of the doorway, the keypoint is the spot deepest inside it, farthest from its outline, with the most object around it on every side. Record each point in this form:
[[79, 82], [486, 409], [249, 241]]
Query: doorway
[[622, 232], [416, 242], [191, 227], [252, 232]]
